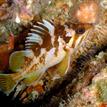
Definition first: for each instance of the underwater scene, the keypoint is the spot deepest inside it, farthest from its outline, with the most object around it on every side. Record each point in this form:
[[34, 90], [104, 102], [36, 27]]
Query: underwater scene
[[53, 53]]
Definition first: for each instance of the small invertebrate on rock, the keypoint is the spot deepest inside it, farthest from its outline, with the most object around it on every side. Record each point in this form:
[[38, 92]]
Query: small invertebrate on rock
[[87, 12]]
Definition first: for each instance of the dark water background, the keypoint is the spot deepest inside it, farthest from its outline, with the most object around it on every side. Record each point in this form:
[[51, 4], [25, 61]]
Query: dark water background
[[6, 101]]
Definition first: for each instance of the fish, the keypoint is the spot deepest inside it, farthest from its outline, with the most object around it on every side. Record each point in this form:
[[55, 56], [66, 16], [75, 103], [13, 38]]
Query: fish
[[45, 47], [59, 70]]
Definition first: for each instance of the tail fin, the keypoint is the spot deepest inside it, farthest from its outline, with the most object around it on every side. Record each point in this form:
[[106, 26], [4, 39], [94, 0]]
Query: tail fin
[[7, 84]]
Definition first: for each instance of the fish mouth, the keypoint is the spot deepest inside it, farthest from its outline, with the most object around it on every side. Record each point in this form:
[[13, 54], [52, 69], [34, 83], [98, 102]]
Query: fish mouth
[[79, 39], [81, 33]]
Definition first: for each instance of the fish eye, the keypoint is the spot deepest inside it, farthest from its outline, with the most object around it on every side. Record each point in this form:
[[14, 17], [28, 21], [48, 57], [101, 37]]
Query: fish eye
[[80, 30]]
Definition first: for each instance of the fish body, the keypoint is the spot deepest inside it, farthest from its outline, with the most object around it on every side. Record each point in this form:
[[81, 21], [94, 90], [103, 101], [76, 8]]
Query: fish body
[[44, 48]]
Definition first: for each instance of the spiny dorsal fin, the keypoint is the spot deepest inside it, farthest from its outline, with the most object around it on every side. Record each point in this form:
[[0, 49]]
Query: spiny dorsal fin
[[40, 37]]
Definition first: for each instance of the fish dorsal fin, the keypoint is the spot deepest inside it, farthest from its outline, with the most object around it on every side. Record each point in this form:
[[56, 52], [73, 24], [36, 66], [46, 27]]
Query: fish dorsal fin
[[40, 36]]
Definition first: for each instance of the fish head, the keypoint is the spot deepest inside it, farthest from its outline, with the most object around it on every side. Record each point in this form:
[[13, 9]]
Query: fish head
[[86, 16]]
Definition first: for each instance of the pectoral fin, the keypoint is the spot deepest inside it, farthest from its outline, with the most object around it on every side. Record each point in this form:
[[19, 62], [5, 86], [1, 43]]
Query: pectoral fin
[[62, 67]]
